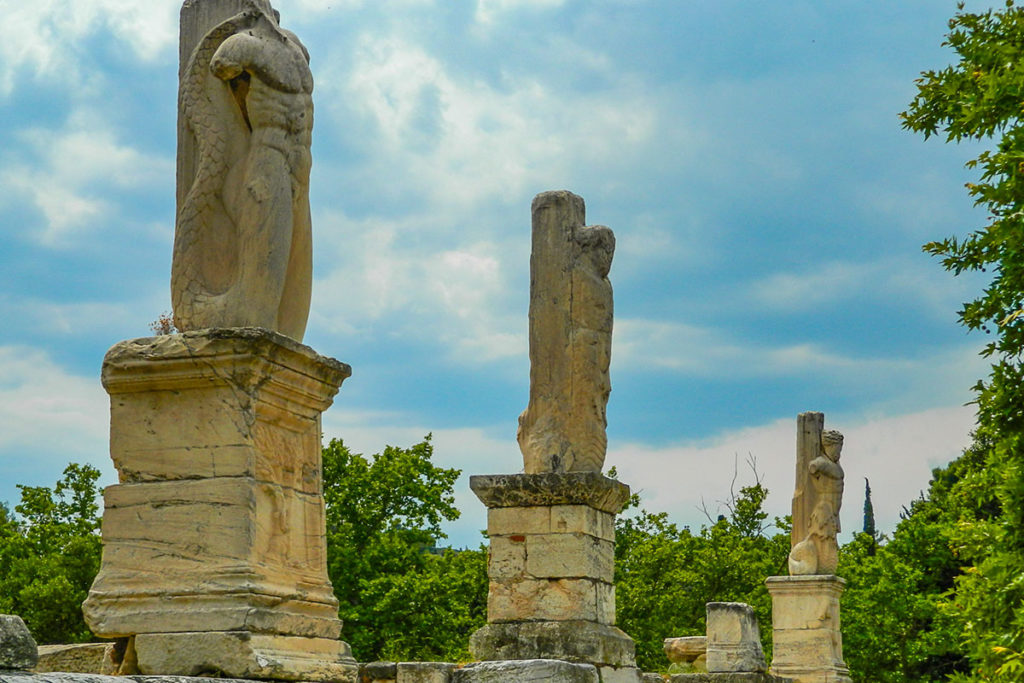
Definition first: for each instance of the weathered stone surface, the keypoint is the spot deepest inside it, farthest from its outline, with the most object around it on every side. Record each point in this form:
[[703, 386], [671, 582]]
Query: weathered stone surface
[[817, 498], [74, 677], [424, 672], [806, 631], [578, 641], [550, 489], [243, 654], [736, 677], [551, 562], [625, 674], [553, 519], [87, 658], [551, 556], [653, 678], [526, 671], [378, 672], [733, 639], [218, 522], [686, 648], [563, 427], [551, 599], [17, 646], [243, 242]]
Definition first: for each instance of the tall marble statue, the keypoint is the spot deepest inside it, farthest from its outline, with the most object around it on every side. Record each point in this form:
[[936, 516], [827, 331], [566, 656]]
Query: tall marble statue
[[242, 244], [817, 498], [563, 426]]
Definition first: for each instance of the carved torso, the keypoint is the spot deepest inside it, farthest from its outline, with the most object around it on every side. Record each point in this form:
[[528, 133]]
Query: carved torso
[[243, 238]]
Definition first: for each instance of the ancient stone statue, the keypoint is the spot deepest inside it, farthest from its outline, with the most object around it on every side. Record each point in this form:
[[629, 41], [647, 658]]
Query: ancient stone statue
[[563, 427], [820, 493], [242, 244]]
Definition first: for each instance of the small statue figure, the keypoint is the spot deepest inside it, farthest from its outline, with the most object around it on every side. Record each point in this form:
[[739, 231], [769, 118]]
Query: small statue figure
[[242, 244], [818, 552]]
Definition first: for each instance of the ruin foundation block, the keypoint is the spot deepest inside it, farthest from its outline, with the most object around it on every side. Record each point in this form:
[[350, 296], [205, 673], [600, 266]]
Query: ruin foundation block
[[808, 643], [551, 568], [214, 556]]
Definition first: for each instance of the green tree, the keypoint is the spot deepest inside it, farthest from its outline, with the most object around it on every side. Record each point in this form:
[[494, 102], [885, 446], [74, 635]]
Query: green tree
[[897, 627], [869, 511], [399, 598], [979, 98], [50, 554], [665, 575]]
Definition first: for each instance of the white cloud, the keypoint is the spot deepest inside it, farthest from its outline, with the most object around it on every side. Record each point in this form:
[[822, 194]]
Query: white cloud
[[833, 282], [897, 454], [380, 279], [707, 352], [44, 37], [50, 418], [459, 141], [71, 175], [489, 11]]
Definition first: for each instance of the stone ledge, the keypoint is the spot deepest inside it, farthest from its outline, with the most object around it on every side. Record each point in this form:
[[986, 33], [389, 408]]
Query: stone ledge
[[527, 671], [728, 678], [550, 488], [156, 359], [804, 581], [246, 655]]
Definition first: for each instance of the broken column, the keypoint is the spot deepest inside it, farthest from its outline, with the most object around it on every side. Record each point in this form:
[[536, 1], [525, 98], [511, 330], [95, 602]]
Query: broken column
[[733, 639], [806, 635], [551, 529]]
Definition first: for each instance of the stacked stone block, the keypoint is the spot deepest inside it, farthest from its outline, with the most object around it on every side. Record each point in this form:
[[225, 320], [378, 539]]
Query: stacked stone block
[[806, 633], [551, 568], [214, 558]]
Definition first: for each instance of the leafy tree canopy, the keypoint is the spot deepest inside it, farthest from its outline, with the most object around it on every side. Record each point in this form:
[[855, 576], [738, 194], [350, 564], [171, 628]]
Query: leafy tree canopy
[[979, 97], [49, 555], [400, 598], [665, 575]]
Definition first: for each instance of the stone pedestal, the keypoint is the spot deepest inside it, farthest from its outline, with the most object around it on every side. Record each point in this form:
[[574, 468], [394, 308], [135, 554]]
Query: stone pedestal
[[214, 558], [551, 568], [807, 642], [733, 639]]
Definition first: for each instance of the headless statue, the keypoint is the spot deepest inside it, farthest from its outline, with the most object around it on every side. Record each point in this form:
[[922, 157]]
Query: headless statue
[[242, 244], [818, 551], [563, 429]]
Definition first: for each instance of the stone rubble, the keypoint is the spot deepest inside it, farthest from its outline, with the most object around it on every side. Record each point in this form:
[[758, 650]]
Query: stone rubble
[[18, 650]]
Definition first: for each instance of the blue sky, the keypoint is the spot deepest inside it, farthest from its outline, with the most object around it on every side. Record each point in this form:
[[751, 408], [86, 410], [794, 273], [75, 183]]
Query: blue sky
[[768, 209]]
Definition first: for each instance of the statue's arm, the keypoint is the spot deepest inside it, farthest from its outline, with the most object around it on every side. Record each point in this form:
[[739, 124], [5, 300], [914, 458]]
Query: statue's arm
[[822, 465], [236, 54]]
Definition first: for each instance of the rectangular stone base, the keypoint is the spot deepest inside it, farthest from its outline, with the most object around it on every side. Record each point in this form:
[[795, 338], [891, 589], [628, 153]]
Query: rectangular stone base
[[241, 654], [217, 522], [574, 641], [527, 671], [551, 567], [814, 675], [728, 678], [806, 635]]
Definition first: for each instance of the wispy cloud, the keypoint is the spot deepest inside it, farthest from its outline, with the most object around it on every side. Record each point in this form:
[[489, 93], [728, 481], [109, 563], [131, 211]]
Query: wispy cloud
[[50, 417], [895, 452], [380, 280], [72, 175], [830, 283], [44, 38], [456, 140], [489, 11]]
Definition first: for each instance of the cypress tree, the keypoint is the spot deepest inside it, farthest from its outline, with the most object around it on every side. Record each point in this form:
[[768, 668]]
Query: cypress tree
[[869, 511]]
